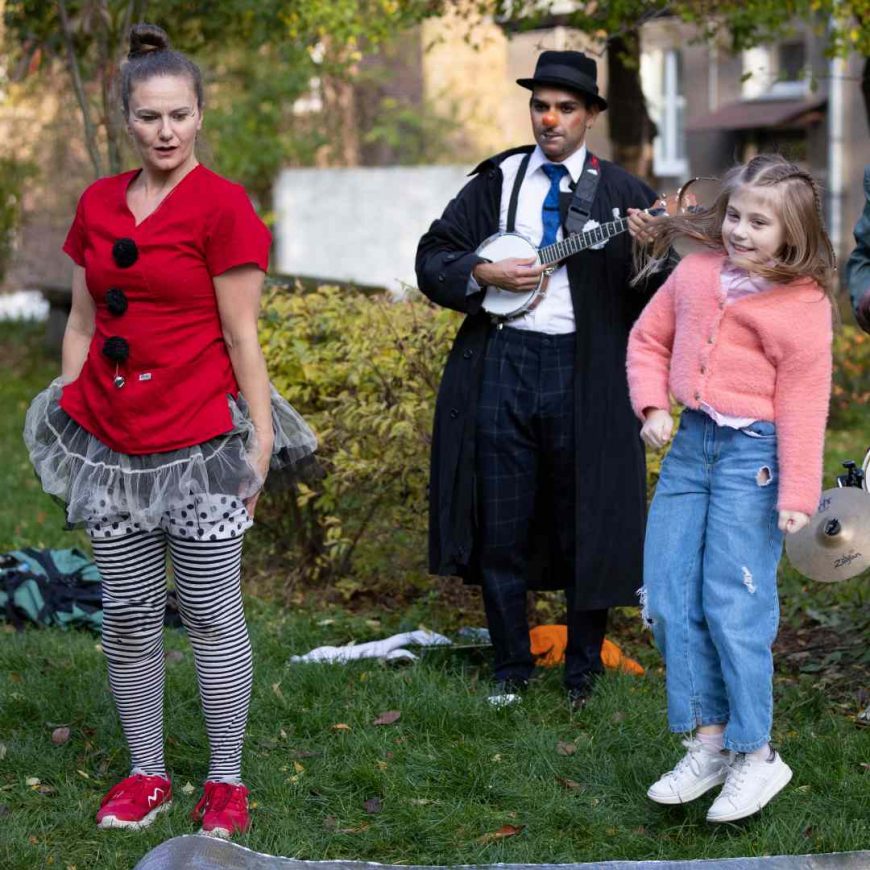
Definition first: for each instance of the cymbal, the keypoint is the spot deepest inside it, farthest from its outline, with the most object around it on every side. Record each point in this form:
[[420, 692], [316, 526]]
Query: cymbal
[[835, 543]]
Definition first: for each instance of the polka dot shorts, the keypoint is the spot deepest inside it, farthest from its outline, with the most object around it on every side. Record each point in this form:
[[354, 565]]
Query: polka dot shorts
[[201, 518]]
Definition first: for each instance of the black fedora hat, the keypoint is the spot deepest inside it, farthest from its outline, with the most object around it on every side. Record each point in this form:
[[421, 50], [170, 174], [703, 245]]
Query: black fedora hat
[[567, 69]]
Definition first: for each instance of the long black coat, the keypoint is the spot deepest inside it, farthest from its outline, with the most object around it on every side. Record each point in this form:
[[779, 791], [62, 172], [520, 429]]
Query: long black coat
[[610, 479]]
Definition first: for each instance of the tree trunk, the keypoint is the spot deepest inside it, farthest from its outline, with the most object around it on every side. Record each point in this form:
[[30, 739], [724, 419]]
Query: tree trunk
[[865, 88], [631, 128]]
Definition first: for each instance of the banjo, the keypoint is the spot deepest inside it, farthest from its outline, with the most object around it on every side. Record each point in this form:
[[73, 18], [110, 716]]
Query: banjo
[[507, 304]]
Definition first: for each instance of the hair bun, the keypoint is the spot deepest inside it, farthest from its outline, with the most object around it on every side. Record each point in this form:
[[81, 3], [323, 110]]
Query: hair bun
[[145, 38]]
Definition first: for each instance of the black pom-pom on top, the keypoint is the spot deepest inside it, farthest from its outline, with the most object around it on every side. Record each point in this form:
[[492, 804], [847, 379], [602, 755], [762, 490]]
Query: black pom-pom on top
[[125, 253], [116, 301], [116, 349]]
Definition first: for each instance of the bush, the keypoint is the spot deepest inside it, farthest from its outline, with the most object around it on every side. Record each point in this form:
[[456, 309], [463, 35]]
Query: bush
[[850, 395], [13, 176], [364, 372]]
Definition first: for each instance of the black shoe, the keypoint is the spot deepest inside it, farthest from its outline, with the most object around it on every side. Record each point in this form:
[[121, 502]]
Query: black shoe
[[511, 686], [578, 699]]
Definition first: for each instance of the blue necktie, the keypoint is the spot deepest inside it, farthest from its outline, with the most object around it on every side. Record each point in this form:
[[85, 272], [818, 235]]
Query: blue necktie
[[550, 210]]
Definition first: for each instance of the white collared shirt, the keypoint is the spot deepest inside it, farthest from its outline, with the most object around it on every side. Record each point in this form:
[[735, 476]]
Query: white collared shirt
[[555, 314]]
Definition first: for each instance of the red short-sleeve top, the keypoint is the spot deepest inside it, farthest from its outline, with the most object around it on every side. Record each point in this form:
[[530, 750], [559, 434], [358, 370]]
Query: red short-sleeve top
[[177, 372]]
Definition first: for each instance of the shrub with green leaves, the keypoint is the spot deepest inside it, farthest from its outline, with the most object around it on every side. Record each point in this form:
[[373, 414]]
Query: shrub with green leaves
[[13, 176], [364, 372]]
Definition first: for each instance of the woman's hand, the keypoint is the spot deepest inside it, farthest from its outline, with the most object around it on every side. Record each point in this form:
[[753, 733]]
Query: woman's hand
[[658, 425], [260, 461], [792, 521]]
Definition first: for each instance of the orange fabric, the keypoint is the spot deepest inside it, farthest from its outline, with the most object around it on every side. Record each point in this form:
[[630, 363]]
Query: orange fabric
[[549, 643]]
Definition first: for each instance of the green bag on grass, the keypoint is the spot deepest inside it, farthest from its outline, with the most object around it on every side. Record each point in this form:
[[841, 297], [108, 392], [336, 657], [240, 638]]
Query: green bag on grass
[[50, 587]]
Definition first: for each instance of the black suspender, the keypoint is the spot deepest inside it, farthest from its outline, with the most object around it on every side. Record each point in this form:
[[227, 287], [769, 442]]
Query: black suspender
[[515, 193]]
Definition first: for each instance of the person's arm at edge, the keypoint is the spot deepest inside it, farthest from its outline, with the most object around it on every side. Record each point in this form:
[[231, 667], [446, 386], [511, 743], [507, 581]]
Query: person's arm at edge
[[79, 328], [238, 293]]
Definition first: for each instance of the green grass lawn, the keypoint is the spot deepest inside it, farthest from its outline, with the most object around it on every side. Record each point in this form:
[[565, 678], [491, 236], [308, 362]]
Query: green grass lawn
[[453, 770]]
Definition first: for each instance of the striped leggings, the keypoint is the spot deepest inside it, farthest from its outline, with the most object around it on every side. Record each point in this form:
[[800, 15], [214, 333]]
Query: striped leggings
[[207, 581]]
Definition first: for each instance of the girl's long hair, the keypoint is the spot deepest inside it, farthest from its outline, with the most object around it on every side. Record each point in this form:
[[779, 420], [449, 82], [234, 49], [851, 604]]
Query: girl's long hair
[[806, 252]]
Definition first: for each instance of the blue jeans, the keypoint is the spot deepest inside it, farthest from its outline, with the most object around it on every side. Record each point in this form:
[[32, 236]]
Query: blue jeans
[[710, 556]]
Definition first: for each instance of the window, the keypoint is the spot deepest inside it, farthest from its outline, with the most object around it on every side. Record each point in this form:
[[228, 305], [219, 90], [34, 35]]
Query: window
[[775, 72], [662, 79]]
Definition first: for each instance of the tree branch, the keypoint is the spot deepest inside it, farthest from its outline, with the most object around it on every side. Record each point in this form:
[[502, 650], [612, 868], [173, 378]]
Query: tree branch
[[75, 74]]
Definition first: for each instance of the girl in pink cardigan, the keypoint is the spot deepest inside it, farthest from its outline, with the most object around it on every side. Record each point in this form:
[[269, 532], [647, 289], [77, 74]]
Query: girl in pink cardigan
[[741, 336]]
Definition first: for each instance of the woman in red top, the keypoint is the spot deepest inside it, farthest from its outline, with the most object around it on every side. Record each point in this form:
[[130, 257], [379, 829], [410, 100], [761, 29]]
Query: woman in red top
[[163, 426]]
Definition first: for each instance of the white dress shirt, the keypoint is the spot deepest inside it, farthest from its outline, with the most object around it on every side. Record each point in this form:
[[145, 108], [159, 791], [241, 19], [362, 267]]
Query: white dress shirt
[[555, 313]]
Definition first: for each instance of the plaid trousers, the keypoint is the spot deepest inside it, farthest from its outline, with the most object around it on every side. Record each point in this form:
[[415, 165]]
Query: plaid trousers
[[525, 441]]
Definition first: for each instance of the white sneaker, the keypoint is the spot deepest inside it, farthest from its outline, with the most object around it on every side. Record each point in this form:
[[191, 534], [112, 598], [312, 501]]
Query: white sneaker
[[697, 772], [752, 782]]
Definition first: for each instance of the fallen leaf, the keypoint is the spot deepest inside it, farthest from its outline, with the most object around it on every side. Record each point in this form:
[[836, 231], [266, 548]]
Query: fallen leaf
[[564, 748], [60, 736], [32, 840], [502, 833], [32, 781], [382, 765], [82, 773], [276, 688], [357, 830], [298, 767], [46, 789], [497, 757], [283, 734], [304, 753], [340, 726], [570, 784], [389, 717], [372, 806], [188, 788], [326, 622], [420, 802]]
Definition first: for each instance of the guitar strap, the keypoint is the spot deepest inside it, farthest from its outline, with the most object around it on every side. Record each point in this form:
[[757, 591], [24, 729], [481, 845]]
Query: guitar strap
[[580, 206], [579, 203]]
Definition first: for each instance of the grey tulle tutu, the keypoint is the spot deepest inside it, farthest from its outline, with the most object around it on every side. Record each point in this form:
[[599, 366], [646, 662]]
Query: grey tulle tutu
[[88, 477]]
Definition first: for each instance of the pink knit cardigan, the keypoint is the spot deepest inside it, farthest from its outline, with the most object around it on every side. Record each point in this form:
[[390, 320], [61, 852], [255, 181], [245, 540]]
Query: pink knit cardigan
[[765, 356]]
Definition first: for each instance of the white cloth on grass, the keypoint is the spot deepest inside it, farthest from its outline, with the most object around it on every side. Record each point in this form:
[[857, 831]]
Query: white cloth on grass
[[389, 649]]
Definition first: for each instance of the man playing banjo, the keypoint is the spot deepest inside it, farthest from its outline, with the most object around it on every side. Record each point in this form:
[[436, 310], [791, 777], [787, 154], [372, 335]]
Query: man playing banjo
[[538, 474]]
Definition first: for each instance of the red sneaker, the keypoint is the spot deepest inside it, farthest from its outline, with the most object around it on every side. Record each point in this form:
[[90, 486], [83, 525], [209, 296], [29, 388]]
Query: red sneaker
[[223, 809], [135, 802]]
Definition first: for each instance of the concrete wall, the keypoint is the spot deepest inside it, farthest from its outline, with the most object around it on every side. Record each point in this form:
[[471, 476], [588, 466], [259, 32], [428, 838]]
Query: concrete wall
[[360, 225]]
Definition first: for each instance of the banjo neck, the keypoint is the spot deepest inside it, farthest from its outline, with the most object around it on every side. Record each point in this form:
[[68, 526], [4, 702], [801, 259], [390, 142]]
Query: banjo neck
[[552, 254]]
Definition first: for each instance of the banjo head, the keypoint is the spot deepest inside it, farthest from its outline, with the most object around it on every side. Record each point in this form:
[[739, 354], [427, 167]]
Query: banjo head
[[503, 246]]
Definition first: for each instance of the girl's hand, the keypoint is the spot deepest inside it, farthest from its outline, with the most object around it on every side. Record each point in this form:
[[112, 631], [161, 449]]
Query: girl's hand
[[792, 521], [657, 427]]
